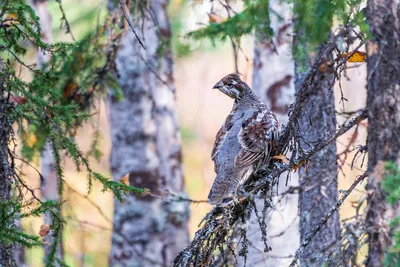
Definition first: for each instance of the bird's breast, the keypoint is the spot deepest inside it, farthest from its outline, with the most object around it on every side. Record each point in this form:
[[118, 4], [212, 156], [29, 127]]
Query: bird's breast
[[231, 146]]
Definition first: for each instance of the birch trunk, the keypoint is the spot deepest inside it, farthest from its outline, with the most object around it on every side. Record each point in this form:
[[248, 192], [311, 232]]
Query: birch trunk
[[319, 185], [383, 103], [146, 146], [47, 161], [273, 83]]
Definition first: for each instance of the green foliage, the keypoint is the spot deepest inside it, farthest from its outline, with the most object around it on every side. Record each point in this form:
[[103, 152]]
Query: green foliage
[[314, 18], [94, 151], [27, 27], [9, 233], [48, 108], [255, 16], [391, 186], [13, 210], [357, 16], [313, 23]]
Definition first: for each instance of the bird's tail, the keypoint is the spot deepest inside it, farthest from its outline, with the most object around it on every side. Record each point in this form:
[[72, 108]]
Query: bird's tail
[[221, 192]]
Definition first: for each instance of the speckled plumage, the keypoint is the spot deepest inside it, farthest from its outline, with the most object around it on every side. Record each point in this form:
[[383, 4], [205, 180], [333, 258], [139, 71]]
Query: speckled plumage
[[244, 141]]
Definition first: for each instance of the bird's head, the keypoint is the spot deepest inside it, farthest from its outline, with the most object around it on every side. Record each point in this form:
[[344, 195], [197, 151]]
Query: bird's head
[[232, 86]]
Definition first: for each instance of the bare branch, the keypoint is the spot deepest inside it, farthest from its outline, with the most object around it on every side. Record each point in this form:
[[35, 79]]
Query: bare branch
[[101, 212], [64, 19], [130, 25], [346, 193], [17, 58]]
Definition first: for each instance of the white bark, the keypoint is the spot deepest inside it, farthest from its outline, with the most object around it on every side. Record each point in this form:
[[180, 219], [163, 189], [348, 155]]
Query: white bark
[[43, 13], [47, 161], [146, 146], [273, 81]]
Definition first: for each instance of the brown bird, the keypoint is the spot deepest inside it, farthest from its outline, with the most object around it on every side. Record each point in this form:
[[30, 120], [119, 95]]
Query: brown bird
[[244, 142]]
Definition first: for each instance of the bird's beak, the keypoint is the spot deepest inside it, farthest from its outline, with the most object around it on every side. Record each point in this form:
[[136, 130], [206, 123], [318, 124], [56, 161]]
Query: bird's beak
[[218, 85]]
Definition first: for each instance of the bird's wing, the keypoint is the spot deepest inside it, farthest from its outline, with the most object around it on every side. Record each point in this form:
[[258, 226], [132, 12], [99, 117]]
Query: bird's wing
[[221, 135], [257, 136]]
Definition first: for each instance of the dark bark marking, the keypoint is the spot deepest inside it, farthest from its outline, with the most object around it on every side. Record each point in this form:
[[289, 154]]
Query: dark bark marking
[[280, 38], [145, 179], [274, 92]]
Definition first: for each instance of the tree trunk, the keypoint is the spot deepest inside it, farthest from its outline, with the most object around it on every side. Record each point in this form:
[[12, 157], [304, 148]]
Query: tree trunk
[[319, 184], [146, 146], [48, 186], [273, 83], [42, 11], [383, 103], [6, 250]]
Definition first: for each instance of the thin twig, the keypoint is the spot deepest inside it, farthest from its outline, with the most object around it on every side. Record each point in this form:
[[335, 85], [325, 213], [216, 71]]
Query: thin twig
[[177, 198], [335, 207], [349, 56], [130, 25], [306, 156], [101, 212], [64, 18], [17, 58], [30, 165]]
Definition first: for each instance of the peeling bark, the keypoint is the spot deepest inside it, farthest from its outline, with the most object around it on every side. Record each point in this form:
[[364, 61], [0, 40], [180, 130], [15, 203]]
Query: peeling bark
[[383, 103], [146, 145], [273, 82], [319, 184]]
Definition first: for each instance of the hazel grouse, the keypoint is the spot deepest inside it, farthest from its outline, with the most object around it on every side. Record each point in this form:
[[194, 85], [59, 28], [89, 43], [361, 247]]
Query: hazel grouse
[[244, 142]]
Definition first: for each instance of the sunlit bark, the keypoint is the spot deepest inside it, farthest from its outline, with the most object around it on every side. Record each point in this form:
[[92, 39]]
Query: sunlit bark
[[146, 146]]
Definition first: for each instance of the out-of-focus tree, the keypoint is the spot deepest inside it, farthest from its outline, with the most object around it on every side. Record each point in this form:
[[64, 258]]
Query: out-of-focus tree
[[146, 147], [39, 110], [383, 105], [48, 184], [273, 82]]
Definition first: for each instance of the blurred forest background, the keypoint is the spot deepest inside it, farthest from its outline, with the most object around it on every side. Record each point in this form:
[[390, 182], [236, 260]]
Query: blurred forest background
[[44, 92], [197, 67], [201, 110]]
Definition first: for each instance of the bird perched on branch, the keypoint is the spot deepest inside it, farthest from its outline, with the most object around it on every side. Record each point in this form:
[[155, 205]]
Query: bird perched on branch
[[244, 142]]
